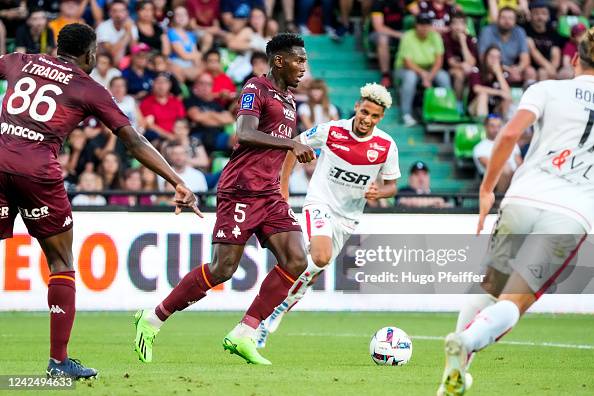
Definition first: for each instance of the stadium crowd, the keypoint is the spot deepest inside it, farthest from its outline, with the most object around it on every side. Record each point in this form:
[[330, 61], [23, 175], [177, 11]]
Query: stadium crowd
[[175, 69]]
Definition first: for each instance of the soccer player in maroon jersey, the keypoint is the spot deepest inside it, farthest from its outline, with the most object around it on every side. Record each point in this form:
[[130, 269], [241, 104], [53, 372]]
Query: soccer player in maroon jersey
[[249, 202], [46, 98]]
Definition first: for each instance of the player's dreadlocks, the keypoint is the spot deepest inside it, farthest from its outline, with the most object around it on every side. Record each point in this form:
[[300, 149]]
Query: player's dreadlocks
[[75, 39], [283, 42]]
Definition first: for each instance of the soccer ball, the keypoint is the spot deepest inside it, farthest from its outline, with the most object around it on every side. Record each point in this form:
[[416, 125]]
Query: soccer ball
[[390, 346]]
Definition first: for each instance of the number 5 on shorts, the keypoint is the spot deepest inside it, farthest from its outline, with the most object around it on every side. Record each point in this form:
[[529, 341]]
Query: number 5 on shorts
[[239, 212]]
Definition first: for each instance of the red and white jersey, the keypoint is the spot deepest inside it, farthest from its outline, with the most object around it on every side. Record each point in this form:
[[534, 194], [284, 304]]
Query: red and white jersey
[[347, 165]]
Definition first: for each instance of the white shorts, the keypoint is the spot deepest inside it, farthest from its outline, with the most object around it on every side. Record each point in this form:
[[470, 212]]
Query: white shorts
[[536, 243], [320, 220]]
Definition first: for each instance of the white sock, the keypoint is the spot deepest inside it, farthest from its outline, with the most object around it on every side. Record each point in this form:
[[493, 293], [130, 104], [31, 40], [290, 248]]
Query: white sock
[[490, 324], [153, 319], [475, 304], [243, 330]]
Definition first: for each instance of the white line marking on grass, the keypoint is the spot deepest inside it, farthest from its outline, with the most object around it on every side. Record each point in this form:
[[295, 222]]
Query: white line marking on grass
[[436, 338]]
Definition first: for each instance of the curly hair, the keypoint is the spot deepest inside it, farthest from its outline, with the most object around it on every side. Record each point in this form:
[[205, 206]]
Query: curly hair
[[283, 42], [75, 39]]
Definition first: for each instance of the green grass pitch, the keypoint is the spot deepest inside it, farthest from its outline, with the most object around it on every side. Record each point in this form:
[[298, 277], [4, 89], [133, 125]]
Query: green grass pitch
[[312, 353]]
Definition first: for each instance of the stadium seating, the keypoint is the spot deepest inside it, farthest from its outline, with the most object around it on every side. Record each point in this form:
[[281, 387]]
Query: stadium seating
[[566, 22], [475, 8], [466, 137], [440, 105]]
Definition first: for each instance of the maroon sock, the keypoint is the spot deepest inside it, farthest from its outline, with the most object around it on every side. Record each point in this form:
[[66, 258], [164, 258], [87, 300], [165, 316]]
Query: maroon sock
[[190, 289], [273, 291], [61, 303]]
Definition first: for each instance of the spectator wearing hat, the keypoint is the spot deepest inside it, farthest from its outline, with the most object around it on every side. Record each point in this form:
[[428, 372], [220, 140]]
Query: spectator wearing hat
[[420, 58], [461, 53], [35, 37], [208, 118], [483, 150], [160, 110], [137, 75], [387, 27], [118, 33], [512, 41], [419, 183], [570, 49], [544, 43]]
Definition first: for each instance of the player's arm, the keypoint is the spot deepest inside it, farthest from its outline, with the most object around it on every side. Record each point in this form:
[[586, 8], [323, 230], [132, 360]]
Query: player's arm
[[143, 151], [505, 142], [386, 190], [249, 135], [286, 171]]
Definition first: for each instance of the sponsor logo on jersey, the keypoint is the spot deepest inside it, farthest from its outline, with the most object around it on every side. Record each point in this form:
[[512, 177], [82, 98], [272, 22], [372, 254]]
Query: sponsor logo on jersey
[[275, 96], [250, 85], [35, 213], [310, 132], [67, 221], [372, 155], [375, 146], [347, 176], [340, 147], [289, 114], [26, 133], [285, 131], [339, 136], [247, 101], [221, 234], [4, 210], [236, 231], [55, 309]]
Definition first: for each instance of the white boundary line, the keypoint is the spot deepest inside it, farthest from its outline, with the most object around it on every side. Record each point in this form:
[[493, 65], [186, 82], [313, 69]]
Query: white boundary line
[[435, 338]]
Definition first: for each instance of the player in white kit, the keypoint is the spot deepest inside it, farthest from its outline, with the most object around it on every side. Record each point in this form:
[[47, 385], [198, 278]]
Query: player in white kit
[[549, 207], [354, 153]]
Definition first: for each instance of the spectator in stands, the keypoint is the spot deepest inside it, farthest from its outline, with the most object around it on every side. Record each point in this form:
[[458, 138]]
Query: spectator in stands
[[93, 12], [161, 109], [304, 8], [137, 75], [574, 7], [288, 13], [118, 33], [419, 183], [440, 11], [483, 150], [204, 18], [460, 55], [207, 116], [149, 179], [420, 58], [387, 24], [51, 7], [512, 41], [198, 158], [133, 183], [110, 171], [234, 13], [223, 88], [489, 91], [252, 37], [35, 37], [570, 49], [520, 6], [185, 58], [126, 103], [318, 108], [544, 43], [71, 11], [89, 182], [260, 67], [163, 13], [159, 64], [179, 159], [104, 71], [149, 31]]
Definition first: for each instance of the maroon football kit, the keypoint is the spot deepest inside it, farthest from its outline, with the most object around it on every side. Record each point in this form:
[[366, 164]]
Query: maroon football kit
[[248, 195], [46, 98]]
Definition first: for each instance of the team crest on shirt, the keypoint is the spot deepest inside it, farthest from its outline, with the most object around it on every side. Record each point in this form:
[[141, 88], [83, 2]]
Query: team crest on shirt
[[372, 155], [319, 223], [247, 101]]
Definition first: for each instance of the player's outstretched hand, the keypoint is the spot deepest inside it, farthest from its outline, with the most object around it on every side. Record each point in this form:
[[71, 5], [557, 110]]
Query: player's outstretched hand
[[486, 201], [185, 198], [303, 152], [373, 192]]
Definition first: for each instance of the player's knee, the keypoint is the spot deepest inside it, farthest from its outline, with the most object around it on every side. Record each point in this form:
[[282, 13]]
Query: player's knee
[[223, 269], [297, 262], [321, 258]]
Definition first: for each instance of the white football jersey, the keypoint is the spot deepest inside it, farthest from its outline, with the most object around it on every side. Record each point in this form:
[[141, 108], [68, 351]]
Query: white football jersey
[[558, 173], [347, 165]]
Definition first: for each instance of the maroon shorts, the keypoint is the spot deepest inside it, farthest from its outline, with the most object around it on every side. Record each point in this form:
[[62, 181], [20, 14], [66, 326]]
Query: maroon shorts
[[44, 207], [238, 218]]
